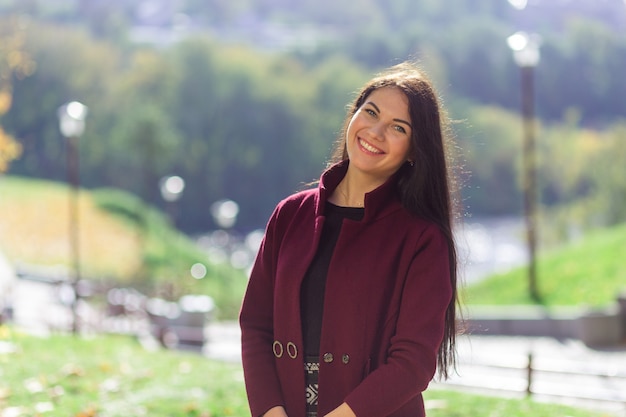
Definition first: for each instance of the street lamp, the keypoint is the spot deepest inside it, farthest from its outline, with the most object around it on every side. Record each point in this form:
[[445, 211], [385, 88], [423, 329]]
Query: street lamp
[[525, 49], [72, 125], [519, 4], [224, 214], [172, 188]]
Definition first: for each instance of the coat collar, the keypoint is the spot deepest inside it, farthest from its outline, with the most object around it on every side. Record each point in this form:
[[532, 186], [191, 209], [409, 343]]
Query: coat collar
[[378, 202]]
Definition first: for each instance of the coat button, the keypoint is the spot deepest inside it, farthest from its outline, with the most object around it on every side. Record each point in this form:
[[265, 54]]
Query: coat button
[[328, 357], [277, 348], [345, 358], [292, 350]]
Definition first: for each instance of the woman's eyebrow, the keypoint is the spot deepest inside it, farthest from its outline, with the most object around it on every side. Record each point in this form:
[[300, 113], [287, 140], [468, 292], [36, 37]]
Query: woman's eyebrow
[[403, 121], [371, 103]]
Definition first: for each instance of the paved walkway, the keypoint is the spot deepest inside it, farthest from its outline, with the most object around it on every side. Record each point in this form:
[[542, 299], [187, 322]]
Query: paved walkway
[[6, 270], [7, 280], [562, 371]]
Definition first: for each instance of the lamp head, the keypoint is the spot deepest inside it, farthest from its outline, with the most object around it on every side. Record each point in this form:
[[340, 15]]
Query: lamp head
[[72, 119], [525, 48]]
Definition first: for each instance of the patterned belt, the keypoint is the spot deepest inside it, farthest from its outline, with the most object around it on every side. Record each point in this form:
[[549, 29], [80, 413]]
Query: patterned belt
[[311, 373]]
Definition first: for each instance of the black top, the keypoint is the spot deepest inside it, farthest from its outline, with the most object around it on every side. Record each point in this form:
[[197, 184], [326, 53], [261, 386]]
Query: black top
[[314, 283]]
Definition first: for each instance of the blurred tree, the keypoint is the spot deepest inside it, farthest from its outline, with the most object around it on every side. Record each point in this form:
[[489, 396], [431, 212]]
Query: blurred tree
[[139, 139], [582, 68], [254, 126], [563, 157], [25, 7], [582, 179], [70, 66], [490, 149], [107, 19], [15, 63], [9, 149], [142, 148], [614, 189], [480, 65]]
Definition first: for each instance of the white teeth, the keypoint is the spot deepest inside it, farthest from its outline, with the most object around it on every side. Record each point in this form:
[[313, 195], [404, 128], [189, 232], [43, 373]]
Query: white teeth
[[369, 147]]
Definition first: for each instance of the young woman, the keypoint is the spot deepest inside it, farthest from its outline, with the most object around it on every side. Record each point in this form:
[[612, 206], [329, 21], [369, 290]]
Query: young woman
[[350, 306]]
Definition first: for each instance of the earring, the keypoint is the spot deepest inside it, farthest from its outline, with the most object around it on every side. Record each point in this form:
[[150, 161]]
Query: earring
[[411, 163]]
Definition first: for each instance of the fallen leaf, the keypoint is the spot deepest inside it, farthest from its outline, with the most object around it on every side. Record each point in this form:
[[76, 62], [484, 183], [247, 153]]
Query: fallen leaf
[[106, 367], [33, 385], [5, 332], [110, 385], [7, 347], [189, 408], [56, 391], [12, 412], [89, 412], [125, 369], [44, 407], [70, 369], [184, 367]]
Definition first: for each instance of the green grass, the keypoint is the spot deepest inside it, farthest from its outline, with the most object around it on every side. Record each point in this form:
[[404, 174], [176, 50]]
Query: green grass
[[590, 272], [113, 376], [123, 241], [458, 404]]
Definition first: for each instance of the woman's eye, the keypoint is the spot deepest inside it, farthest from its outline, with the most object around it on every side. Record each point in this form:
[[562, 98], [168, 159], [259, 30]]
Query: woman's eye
[[370, 112], [399, 128]]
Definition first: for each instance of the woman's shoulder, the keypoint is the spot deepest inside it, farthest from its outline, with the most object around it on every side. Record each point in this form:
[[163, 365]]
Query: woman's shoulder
[[296, 201], [298, 198], [418, 226]]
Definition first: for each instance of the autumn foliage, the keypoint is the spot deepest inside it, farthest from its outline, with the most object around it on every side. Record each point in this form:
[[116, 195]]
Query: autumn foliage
[[14, 63]]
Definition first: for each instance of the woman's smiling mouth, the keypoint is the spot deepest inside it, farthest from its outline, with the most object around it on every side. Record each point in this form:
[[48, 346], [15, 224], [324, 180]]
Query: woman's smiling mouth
[[368, 147]]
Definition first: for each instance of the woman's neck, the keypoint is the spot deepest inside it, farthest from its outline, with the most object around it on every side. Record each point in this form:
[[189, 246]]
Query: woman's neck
[[352, 189]]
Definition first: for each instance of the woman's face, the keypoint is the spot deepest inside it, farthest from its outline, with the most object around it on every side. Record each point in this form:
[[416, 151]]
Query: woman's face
[[378, 139]]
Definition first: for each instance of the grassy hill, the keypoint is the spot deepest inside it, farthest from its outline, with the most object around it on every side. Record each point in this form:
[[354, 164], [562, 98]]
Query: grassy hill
[[125, 240], [34, 229], [591, 271], [122, 240]]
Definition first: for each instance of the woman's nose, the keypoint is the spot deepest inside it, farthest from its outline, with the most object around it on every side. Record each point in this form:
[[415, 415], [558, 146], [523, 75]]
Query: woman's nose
[[377, 130]]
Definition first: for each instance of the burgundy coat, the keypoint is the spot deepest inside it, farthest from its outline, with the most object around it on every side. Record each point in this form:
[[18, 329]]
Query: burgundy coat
[[387, 291]]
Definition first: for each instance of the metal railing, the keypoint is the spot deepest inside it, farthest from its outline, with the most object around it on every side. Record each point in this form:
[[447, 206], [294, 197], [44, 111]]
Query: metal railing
[[565, 380]]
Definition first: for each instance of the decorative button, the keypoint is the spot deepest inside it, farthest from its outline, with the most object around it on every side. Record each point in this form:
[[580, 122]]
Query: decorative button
[[277, 347], [328, 357], [292, 350], [345, 358]]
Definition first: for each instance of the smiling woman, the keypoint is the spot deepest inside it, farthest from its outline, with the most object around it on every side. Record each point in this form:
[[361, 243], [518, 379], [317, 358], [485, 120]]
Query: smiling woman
[[351, 304]]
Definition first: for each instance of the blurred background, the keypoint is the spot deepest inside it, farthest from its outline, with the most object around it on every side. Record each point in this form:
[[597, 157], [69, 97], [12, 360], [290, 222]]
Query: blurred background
[[145, 143], [189, 120]]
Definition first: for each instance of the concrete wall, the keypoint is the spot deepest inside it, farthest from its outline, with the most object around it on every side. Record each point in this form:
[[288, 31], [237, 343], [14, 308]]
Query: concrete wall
[[599, 327]]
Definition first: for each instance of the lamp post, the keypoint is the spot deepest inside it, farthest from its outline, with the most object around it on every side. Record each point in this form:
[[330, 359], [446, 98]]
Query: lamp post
[[525, 49], [224, 214], [172, 188], [72, 125]]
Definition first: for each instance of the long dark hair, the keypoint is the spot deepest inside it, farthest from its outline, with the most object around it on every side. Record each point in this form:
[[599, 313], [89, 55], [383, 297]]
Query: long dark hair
[[425, 186]]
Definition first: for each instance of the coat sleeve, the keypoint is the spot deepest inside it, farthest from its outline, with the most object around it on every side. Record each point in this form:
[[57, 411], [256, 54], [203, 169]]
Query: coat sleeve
[[411, 358], [256, 321]]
